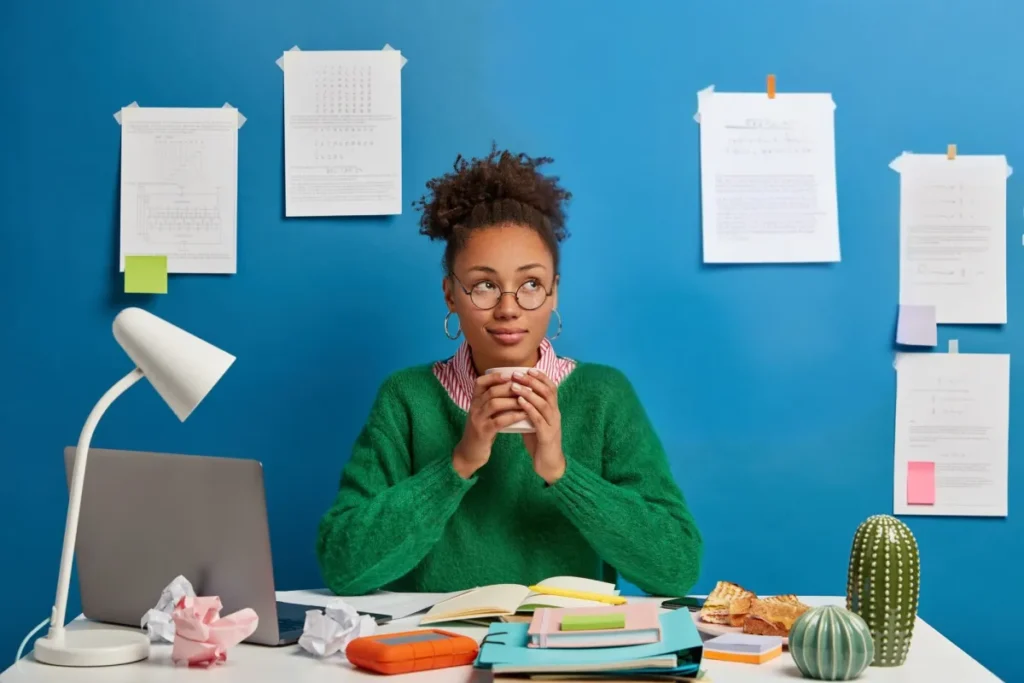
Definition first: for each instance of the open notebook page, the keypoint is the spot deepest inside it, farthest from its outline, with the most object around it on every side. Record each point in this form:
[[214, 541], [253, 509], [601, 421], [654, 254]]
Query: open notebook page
[[489, 601], [506, 599]]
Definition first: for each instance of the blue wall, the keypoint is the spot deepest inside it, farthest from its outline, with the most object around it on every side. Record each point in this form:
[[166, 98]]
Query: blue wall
[[772, 387]]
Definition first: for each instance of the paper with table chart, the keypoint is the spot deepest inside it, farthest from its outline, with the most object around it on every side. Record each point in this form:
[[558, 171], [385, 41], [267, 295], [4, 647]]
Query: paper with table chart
[[953, 235], [343, 132], [952, 433], [179, 187], [768, 177]]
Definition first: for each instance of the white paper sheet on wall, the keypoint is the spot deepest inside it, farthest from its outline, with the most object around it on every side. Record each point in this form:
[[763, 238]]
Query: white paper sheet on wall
[[952, 434], [953, 235], [179, 186], [768, 178], [343, 132]]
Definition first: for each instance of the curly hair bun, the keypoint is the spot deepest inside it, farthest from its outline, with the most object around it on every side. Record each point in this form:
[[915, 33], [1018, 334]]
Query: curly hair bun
[[498, 189]]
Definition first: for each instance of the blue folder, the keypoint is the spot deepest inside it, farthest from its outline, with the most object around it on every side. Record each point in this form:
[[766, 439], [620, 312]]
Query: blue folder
[[506, 644]]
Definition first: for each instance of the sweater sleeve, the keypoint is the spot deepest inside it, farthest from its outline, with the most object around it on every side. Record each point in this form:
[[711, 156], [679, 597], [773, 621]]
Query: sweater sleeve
[[633, 513], [385, 518]]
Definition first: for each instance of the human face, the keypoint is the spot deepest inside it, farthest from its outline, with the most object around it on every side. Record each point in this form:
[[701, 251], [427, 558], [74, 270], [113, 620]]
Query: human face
[[503, 259]]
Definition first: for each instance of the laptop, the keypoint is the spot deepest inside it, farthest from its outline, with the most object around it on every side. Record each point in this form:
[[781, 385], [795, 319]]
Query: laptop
[[148, 517]]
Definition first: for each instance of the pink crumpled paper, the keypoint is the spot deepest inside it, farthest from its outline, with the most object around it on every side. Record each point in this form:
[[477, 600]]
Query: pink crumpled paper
[[202, 637]]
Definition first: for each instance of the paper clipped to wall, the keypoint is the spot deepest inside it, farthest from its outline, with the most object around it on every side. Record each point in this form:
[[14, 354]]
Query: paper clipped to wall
[[768, 178], [343, 132], [179, 186], [952, 434], [953, 235]]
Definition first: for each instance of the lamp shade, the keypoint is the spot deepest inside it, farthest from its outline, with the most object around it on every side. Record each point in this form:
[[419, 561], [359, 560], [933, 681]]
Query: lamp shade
[[180, 366]]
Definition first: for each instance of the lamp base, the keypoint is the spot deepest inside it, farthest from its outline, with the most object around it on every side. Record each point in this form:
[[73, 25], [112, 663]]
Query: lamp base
[[93, 647]]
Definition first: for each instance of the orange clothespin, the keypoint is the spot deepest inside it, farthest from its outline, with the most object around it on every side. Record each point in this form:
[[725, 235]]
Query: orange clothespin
[[951, 152], [771, 86]]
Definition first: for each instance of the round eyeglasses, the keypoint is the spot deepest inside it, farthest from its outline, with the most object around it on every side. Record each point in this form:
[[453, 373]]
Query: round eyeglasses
[[485, 294]]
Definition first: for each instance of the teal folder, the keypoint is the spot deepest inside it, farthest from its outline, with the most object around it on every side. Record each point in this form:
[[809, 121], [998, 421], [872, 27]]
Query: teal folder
[[507, 644]]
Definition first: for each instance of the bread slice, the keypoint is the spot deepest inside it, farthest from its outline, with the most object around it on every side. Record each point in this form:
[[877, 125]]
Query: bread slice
[[727, 604], [773, 616], [785, 599]]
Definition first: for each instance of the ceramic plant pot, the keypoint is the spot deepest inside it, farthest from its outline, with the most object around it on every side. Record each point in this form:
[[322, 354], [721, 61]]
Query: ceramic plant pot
[[831, 644], [883, 583]]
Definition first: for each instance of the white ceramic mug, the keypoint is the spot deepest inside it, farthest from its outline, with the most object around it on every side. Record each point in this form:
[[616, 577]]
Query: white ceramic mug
[[523, 426]]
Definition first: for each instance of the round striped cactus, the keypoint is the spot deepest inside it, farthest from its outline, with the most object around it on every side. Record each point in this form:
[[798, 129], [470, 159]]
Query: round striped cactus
[[830, 643], [883, 583]]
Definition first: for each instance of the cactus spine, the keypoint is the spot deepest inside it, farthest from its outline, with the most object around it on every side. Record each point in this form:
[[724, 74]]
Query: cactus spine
[[883, 584]]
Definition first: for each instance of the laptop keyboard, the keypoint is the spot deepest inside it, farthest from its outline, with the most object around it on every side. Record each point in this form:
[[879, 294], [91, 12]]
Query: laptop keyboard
[[284, 625]]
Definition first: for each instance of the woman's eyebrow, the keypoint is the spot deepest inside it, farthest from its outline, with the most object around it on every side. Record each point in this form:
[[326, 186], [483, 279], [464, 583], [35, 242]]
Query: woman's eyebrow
[[528, 266]]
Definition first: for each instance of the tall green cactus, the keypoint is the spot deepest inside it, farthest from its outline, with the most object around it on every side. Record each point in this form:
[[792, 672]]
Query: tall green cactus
[[883, 583]]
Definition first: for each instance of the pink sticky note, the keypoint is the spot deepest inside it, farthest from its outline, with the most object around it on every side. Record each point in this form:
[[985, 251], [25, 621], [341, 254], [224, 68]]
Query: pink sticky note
[[920, 483]]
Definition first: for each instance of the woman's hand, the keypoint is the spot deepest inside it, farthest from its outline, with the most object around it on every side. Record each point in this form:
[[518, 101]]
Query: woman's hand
[[493, 408], [538, 397]]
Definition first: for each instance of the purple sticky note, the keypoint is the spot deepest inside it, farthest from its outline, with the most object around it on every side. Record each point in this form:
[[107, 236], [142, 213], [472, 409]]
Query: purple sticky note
[[916, 326], [920, 483]]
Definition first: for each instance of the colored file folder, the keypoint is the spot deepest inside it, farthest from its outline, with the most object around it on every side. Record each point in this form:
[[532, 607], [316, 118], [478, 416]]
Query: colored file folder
[[507, 645]]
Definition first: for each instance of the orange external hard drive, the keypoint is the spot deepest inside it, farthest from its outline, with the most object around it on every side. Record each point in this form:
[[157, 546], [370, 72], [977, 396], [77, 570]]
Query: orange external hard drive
[[402, 653]]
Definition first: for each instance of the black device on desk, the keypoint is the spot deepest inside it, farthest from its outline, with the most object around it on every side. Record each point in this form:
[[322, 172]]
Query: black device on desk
[[149, 517], [690, 603]]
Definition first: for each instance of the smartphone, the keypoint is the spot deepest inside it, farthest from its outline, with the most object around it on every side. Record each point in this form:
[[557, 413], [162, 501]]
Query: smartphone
[[690, 603]]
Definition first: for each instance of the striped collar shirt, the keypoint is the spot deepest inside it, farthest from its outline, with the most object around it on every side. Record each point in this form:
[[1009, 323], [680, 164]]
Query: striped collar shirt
[[458, 375]]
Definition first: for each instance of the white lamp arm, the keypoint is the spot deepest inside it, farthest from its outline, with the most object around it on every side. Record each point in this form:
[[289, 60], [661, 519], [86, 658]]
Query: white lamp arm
[[57, 614]]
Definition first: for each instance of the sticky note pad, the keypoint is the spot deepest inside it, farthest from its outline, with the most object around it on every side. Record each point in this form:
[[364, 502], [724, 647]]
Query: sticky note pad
[[916, 326], [920, 483], [145, 274], [593, 622]]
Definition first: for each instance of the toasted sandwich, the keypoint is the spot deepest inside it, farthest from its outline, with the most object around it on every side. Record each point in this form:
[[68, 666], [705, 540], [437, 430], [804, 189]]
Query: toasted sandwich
[[773, 616], [727, 604]]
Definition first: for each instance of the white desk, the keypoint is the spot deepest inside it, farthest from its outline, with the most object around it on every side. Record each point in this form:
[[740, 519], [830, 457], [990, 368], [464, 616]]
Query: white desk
[[932, 658]]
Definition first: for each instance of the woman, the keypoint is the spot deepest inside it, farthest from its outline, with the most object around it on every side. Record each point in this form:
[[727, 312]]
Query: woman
[[434, 498]]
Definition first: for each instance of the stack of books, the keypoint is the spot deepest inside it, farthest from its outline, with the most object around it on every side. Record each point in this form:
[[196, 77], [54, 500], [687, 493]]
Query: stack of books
[[627, 642]]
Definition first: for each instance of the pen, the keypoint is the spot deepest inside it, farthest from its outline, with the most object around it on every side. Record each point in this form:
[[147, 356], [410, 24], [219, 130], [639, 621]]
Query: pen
[[582, 595]]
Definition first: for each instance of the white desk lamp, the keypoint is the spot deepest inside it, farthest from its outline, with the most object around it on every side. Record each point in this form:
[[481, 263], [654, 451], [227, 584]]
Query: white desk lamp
[[182, 368]]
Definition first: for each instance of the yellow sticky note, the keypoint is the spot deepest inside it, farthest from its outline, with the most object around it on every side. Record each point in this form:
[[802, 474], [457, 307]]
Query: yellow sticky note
[[145, 274]]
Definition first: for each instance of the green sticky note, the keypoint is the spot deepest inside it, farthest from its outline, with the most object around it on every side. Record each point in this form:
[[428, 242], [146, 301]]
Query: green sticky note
[[145, 274], [593, 622]]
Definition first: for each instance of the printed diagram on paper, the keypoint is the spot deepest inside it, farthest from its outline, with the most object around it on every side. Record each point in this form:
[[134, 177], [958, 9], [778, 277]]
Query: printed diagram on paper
[[179, 187], [343, 154]]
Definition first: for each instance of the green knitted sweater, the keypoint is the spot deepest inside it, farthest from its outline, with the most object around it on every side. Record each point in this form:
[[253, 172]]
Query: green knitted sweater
[[405, 520]]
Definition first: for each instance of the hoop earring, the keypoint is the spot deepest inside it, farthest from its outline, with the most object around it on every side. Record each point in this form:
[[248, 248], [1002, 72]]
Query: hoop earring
[[558, 332], [448, 334]]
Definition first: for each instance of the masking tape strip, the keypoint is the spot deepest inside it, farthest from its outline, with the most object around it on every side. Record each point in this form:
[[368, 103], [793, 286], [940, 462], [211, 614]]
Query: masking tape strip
[[280, 60], [117, 114], [954, 346], [135, 105], [387, 48], [703, 95], [241, 117], [295, 48]]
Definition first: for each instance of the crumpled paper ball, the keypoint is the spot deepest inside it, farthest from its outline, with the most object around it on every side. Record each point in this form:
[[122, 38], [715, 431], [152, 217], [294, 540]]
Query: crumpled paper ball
[[157, 622], [202, 636], [330, 631]]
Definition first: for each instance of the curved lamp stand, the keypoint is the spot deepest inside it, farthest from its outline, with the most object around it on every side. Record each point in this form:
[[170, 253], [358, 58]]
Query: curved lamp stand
[[87, 647]]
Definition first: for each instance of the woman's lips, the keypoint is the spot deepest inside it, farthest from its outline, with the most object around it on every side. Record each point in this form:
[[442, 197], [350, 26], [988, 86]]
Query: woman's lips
[[508, 337]]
